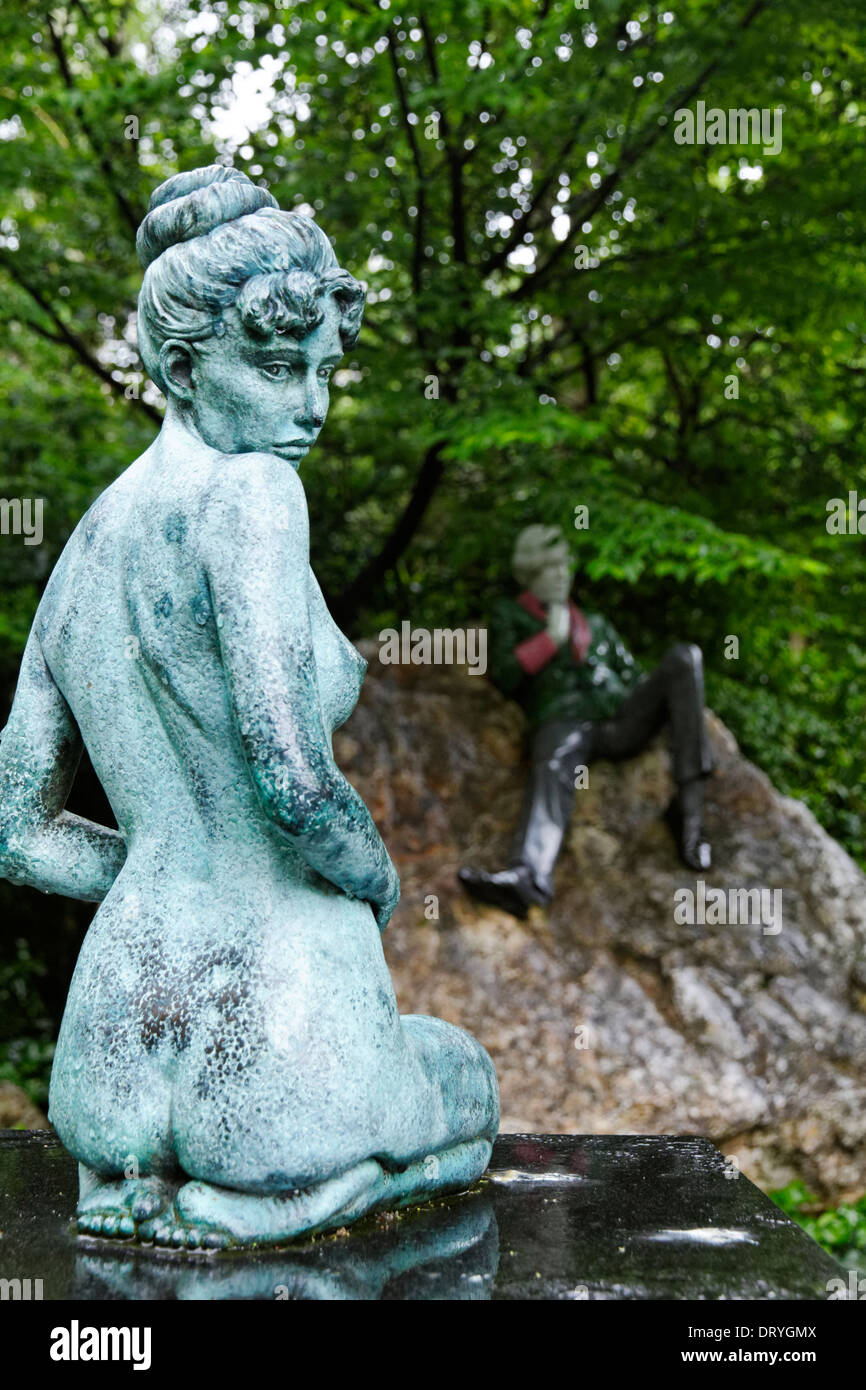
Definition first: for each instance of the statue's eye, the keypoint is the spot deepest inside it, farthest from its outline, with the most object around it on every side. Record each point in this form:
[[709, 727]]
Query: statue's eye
[[325, 373], [277, 371]]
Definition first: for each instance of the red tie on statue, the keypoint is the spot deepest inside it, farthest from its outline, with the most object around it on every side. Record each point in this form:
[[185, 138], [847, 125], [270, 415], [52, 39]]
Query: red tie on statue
[[580, 635]]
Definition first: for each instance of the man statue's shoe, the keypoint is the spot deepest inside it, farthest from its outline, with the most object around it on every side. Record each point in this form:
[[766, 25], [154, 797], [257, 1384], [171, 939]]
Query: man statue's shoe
[[514, 890], [689, 834]]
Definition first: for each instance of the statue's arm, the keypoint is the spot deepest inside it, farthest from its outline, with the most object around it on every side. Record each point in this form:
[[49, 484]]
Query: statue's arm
[[621, 659], [506, 631], [255, 551], [41, 844]]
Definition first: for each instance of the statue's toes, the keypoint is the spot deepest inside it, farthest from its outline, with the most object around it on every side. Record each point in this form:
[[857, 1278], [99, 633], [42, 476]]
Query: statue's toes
[[214, 1240], [148, 1204], [158, 1229], [109, 1224], [198, 1238]]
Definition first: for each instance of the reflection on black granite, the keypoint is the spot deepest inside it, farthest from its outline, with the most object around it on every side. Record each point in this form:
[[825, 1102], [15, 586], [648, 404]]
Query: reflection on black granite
[[446, 1252], [556, 1217]]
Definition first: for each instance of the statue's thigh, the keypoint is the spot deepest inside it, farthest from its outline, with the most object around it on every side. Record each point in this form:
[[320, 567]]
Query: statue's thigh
[[112, 1109], [270, 1115], [451, 1094]]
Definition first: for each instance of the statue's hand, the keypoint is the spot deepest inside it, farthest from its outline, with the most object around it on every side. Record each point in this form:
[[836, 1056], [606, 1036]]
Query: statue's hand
[[558, 623], [385, 902]]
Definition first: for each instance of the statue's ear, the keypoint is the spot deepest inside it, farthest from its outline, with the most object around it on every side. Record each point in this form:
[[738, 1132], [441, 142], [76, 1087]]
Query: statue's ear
[[176, 362]]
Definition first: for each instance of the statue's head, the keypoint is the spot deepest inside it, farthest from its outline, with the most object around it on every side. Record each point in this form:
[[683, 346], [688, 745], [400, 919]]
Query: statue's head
[[243, 313], [541, 562]]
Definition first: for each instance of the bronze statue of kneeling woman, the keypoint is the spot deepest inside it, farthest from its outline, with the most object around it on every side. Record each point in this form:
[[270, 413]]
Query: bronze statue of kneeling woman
[[231, 1068]]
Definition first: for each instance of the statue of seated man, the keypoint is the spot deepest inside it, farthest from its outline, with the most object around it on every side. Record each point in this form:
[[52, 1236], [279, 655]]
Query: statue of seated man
[[585, 698]]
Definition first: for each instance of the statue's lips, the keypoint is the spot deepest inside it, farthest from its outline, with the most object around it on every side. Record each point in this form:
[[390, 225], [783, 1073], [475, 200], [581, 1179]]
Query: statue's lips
[[294, 450]]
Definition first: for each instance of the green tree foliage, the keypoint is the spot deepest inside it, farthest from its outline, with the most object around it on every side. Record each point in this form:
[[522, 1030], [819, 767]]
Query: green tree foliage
[[841, 1230], [567, 308]]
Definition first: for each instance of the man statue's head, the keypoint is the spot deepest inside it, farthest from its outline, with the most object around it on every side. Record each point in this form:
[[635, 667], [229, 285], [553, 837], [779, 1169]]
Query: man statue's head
[[541, 562]]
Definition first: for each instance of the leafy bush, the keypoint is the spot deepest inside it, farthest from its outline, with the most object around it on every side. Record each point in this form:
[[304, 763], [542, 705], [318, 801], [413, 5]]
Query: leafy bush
[[840, 1230]]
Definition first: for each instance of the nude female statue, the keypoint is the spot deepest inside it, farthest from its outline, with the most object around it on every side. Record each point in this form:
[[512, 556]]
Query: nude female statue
[[231, 1067]]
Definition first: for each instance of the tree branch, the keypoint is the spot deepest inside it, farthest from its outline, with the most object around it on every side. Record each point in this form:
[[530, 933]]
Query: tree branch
[[453, 155], [131, 215], [420, 220], [587, 204], [346, 607], [70, 339]]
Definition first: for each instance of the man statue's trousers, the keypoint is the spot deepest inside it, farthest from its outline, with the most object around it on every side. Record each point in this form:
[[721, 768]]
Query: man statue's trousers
[[673, 693]]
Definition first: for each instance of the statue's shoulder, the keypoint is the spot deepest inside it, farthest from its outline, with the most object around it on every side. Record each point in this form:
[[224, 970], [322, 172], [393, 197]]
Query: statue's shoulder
[[600, 626], [505, 605], [247, 498], [239, 475], [98, 526], [508, 615], [100, 516]]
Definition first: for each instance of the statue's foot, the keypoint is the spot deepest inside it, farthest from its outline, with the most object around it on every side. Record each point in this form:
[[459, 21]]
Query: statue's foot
[[115, 1207], [514, 889], [450, 1170], [207, 1217], [683, 815], [218, 1218]]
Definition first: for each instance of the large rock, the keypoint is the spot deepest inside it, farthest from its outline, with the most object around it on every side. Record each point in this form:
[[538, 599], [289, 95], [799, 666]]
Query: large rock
[[17, 1110], [602, 1013]]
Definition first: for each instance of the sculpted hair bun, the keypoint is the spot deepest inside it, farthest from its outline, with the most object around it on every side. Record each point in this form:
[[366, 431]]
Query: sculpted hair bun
[[192, 204], [214, 242]]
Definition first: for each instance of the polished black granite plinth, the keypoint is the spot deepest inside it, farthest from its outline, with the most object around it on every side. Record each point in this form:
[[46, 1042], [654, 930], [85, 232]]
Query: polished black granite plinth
[[556, 1217]]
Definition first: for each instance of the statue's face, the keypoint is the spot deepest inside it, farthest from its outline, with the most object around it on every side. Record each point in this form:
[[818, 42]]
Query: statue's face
[[552, 581], [550, 566], [252, 395]]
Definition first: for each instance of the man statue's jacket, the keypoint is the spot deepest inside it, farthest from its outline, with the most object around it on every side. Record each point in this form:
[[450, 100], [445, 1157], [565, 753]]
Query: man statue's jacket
[[588, 677]]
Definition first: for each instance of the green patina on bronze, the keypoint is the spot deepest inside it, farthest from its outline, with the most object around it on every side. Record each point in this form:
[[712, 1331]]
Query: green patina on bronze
[[231, 1068]]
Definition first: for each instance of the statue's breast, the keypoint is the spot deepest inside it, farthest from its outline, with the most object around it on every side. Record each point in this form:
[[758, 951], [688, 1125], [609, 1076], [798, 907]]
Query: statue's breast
[[340, 667]]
